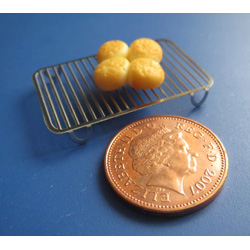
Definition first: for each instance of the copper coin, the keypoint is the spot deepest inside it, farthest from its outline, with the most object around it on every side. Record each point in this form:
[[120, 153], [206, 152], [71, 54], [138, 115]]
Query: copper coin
[[166, 164]]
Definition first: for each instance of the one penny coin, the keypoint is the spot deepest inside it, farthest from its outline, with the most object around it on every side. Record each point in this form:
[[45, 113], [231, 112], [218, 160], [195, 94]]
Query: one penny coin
[[166, 164]]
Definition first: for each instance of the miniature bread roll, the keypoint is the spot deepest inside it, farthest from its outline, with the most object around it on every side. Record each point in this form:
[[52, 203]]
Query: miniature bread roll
[[145, 48], [145, 73], [112, 73], [115, 48]]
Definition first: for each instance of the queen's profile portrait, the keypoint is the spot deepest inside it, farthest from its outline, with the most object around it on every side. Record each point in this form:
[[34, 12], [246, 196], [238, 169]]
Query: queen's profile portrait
[[164, 157]]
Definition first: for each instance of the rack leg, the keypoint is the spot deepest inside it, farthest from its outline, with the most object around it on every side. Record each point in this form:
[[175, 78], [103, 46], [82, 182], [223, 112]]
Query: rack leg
[[80, 139], [201, 101]]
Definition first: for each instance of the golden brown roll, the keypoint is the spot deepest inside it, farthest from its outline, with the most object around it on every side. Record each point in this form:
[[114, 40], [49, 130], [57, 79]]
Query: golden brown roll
[[145, 48], [115, 48], [112, 73], [145, 73]]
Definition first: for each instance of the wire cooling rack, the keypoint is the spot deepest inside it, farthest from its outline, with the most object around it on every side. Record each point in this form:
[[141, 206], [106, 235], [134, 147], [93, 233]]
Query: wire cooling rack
[[70, 100]]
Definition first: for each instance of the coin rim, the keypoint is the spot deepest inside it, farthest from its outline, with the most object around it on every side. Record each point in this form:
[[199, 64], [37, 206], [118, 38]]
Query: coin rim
[[210, 195]]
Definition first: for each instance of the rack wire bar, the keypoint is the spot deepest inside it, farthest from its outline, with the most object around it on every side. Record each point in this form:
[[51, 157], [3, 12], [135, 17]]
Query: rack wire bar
[[70, 100]]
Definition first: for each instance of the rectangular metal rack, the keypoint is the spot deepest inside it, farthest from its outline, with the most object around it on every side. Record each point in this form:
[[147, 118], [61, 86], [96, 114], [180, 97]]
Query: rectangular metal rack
[[70, 100]]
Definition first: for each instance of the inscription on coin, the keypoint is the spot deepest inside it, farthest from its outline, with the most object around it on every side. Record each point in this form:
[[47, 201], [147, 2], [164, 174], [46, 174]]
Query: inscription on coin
[[166, 164], [204, 180], [158, 195]]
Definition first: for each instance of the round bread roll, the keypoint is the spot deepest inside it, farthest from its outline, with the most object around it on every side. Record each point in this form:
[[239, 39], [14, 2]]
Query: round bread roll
[[145, 73], [112, 73], [145, 48], [115, 48]]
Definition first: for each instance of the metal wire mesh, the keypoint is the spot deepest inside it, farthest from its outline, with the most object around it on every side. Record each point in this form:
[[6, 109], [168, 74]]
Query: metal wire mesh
[[70, 100]]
